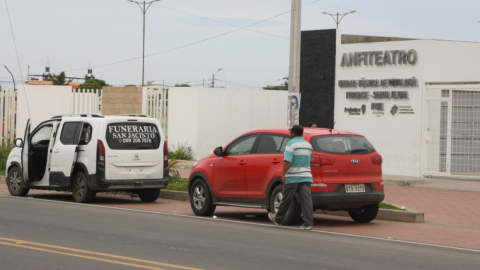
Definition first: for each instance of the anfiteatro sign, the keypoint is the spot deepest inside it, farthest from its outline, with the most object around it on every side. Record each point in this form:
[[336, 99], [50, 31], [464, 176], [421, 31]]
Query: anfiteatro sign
[[380, 58]]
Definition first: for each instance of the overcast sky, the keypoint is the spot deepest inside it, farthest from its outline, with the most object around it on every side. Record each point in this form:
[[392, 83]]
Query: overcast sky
[[72, 33]]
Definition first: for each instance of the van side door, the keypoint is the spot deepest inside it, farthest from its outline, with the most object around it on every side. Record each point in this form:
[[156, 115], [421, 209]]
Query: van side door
[[64, 153], [25, 150]]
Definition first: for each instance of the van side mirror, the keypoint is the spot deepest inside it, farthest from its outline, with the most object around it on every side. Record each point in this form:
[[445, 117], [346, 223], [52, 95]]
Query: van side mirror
[[19, 142], [218, 151]]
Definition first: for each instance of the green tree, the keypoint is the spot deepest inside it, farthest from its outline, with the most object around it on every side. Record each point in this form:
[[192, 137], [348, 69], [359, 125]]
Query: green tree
[[279, 87], [94, 84], [60, 79], [182, 85]]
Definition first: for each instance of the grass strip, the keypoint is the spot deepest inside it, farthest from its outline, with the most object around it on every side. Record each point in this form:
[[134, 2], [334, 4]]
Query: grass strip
[[177, 184], [391, 207]]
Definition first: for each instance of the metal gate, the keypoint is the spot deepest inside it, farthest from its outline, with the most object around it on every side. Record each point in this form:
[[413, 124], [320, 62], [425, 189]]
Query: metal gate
[[157, 105], [452, 133]]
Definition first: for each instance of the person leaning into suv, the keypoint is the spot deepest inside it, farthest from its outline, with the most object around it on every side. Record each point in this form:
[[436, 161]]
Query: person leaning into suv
[[296, 178]]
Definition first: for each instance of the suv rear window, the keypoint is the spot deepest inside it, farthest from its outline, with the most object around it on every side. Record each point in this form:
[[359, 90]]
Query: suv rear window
[[132, 135], [342, 145]]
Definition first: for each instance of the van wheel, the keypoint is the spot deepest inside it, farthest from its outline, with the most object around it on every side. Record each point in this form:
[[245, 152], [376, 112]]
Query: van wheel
[[364, 214], [149, 195], [81, 192], [201, 199], [294, 211], [15, 183]]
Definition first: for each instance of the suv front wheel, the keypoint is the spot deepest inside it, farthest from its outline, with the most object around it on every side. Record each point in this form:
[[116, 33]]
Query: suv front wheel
[[201, 199]]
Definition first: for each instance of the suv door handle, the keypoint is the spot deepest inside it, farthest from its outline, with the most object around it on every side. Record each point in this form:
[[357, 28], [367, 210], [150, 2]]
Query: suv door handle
[[241, 162], [275, 161]]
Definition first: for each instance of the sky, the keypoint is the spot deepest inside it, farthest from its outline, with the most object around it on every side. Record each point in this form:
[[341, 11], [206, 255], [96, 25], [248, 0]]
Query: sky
[[189, 40]]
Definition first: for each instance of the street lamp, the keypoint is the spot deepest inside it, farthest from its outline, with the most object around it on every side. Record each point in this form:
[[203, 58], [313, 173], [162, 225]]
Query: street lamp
[[143, 7], [213, 77], [338, 20]]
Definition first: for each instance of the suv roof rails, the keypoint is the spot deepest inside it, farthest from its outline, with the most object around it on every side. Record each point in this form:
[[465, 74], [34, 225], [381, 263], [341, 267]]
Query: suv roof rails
[[78, 114], [133, 115]]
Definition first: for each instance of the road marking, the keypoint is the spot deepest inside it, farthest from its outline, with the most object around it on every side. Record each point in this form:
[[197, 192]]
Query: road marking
[[42, 247], [251, 223]]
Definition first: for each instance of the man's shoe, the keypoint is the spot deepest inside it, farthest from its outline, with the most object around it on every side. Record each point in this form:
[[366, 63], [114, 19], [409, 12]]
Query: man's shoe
[[271, 216], [303, 227]]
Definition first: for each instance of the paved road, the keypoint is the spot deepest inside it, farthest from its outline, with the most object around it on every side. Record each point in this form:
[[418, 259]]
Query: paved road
[[41, 234]]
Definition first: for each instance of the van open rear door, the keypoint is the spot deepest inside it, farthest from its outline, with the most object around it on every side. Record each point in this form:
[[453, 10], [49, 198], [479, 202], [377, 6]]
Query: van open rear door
[[64, 152]]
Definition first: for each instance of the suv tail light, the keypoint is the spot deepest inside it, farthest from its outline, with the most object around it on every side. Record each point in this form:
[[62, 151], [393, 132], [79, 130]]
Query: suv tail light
[[165, 154], [318, 161], [377, 159], [100, 154]]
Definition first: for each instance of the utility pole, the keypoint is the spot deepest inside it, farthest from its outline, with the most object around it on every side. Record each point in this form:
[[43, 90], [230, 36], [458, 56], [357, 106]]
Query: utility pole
[[294, 67], [295, 43], [213, 80], [144, 10]]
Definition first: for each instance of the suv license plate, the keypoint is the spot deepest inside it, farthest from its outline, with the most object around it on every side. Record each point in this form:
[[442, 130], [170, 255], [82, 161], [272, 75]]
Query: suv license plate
[[352, 188]]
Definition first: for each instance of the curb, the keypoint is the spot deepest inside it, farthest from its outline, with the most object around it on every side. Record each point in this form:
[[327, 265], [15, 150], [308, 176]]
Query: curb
[[174, 195], [383, 214]]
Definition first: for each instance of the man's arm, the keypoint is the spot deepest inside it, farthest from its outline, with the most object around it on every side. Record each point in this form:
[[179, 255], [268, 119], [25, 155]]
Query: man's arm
[[286, 166]]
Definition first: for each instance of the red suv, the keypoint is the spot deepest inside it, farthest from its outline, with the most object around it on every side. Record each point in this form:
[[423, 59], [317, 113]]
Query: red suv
[[346, 169]]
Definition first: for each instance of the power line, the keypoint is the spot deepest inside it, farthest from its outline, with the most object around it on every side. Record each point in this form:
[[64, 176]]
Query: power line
[[238, 84], [193, 43], [18, 59], [209, 19]]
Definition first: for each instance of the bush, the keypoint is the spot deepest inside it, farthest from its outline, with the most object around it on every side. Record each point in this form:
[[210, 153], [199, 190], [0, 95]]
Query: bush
[[4, 151], [183, 152]]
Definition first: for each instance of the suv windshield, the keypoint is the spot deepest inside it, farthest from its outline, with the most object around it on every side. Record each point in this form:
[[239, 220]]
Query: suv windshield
[[342, 145], [132, 135]]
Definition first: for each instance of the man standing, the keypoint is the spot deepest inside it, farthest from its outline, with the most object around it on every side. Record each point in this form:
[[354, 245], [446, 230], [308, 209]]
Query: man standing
[[296, 178]]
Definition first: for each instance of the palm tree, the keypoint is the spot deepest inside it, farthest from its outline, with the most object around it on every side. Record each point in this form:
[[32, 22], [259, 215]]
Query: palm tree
[[60, 79]]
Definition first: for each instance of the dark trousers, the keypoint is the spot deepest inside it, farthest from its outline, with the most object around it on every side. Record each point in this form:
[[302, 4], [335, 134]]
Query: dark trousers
[[305, 200]]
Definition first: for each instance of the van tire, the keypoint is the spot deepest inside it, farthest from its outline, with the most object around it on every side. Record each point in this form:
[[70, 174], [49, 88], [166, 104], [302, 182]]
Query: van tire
[[80, 191], [201, 199], [364, 214], [149, 195], [15, 183], [294, 211]]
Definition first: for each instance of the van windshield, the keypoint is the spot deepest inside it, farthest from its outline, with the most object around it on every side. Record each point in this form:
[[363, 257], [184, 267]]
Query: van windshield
[[132, 135], [342, 144]]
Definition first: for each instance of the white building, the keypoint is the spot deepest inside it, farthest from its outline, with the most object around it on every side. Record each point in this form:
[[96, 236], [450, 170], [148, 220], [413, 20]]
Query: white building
[[417, 101]]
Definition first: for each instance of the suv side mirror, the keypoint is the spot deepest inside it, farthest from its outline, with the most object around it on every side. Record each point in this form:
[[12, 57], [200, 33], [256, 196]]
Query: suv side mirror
[[19, 142], [218, 151]]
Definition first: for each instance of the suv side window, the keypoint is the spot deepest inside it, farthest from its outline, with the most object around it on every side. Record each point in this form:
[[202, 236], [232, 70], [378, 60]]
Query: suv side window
[[242, 146], [69, 132], [270, 144], [42, 136], [284, 144], [86, 135]]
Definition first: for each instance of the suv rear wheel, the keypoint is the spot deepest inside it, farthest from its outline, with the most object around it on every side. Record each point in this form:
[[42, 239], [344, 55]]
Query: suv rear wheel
[[15, 183], [149, 195], [365, 214], [201, 199], [293, 213]]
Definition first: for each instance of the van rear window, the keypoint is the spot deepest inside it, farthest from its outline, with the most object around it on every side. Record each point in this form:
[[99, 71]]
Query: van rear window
[[132, 135], [342, 144]]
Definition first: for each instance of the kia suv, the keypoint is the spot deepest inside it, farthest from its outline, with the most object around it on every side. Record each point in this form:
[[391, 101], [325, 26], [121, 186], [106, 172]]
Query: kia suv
[[346, 169]]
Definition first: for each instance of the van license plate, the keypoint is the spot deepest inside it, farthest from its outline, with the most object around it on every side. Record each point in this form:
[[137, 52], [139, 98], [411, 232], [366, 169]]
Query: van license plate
[[352, 188]]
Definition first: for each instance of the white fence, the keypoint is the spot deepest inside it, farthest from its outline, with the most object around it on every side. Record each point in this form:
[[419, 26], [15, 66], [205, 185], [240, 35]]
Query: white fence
[[8, 109], [157, 105], [86, 101], [82, 101]]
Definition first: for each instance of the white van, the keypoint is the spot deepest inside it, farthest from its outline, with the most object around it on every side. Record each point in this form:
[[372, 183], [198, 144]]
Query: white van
[[89, 153]]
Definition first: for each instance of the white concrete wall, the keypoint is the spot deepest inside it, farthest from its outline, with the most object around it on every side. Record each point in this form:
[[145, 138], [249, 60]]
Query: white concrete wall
[[399, 138], [44, 101], [206, 118]]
